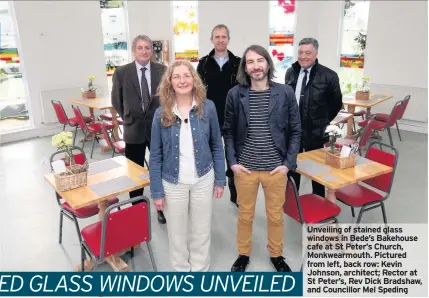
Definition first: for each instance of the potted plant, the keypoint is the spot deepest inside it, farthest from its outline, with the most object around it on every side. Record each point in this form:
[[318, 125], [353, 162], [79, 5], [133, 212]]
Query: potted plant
[[334, 132], [64, 141], [90, 92]]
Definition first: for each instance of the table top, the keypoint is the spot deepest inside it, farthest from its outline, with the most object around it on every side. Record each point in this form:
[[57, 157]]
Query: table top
[[373, 100], [335, 178], [98, 103], [84, 196], [341, 117]]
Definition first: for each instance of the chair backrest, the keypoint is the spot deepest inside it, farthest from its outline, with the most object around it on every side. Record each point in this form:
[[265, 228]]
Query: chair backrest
[[366, 133], [79, 118], [404, 106], [395, 114], [106, 135], [292, 205], [116, 234], [79, 158], [60, 112], [382, 182]]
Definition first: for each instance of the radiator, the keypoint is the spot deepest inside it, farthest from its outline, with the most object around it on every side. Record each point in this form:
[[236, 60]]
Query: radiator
[[62, 95], [417, 109]]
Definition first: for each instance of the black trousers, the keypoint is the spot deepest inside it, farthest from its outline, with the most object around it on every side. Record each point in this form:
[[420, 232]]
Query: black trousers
[[318, 189], [136, 153]]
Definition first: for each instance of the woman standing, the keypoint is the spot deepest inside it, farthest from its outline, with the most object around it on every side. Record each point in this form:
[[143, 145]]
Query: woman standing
[[187, 165]]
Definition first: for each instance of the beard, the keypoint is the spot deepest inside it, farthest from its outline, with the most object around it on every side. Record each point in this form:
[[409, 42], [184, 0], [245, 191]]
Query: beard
[[259, 76]]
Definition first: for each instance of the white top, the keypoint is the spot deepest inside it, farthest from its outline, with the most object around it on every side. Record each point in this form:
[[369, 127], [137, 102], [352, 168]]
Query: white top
[[187, 169], [147, 75]]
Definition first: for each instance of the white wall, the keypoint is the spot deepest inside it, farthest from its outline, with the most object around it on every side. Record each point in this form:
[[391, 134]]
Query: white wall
[[61, 45], [397, 43], [152, 18], [247, 21]]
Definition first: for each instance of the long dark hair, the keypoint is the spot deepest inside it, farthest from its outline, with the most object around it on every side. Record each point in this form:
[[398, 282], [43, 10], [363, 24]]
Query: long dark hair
[[243, 77]]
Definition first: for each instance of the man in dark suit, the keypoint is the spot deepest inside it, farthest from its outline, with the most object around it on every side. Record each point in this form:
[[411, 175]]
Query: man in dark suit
[[218, 70], [134, 98], [318, 94]]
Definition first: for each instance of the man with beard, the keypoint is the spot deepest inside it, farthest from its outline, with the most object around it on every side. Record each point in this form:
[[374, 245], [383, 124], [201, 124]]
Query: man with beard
[[318, 94], [218, 70], [262, 136]]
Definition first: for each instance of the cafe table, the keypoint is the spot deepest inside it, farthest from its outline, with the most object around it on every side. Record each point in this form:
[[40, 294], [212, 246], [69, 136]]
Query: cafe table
[[100, 103], [351, 102], [106, 179], [311, 164]]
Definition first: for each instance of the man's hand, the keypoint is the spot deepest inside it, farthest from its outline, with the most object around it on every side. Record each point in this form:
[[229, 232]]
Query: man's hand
[[281, 169], [239, 168], [159, 204], [218, 192]]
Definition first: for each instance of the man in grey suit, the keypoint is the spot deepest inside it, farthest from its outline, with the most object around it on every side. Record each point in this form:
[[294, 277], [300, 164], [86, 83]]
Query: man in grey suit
[[134, 98]]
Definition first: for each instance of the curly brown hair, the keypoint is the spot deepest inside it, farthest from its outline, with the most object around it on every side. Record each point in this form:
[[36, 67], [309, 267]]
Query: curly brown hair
[[167, 96]]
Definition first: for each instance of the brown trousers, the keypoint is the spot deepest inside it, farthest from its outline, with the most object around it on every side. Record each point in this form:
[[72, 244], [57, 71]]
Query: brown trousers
[[274, 187]]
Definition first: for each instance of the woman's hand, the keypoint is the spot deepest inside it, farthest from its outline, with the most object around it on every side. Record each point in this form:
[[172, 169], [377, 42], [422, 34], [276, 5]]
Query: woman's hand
[[159, 204], [218, 192]]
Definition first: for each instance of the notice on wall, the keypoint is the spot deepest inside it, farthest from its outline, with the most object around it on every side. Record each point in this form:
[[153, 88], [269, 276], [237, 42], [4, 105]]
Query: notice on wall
[[366, 260]]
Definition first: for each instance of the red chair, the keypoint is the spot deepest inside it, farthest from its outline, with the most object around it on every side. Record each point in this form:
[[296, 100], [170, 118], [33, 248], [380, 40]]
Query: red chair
[[360, 113], [66, 209], [113, 234], [65, 120], [381, 125], [358, 195], [118, 147], [363, 137], [309, 208], [109, 117], [93, 128], [385, 117]]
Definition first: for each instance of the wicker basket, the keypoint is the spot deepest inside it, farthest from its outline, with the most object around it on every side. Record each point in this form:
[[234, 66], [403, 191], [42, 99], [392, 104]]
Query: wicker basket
[[89, 94], [76, 176], [334, 160], [360, 95]]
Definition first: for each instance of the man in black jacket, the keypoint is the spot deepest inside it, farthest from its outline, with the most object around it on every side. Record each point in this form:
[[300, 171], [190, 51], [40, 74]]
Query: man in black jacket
[[318, 94], [218, 70], [262, 138]]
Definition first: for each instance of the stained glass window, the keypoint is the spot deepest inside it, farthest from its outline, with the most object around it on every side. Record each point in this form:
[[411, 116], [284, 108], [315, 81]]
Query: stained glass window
[[115, 36], [353, 44], [281, 39], [185, 30], [14, 113]]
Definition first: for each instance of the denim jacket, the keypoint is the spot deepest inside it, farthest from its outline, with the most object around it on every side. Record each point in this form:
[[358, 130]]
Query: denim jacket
[[165, 144]]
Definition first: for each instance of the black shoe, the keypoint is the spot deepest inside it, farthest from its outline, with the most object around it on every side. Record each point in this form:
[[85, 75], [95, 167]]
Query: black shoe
[[280, 264], [240, 264], [161, 217]]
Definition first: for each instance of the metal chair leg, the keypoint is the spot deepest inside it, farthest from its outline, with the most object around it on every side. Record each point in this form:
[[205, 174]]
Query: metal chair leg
[[399, 134], [77, 228], [84, 139], [151, 256], [390, 136], [64, 127], [61, 227], [93, 144], [74, 137], [360, 214], [383, 211], [82, 257], [353, 211]]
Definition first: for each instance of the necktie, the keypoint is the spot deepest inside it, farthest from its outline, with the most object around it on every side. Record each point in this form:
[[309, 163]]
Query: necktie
[[304, 83], [145, 90]]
